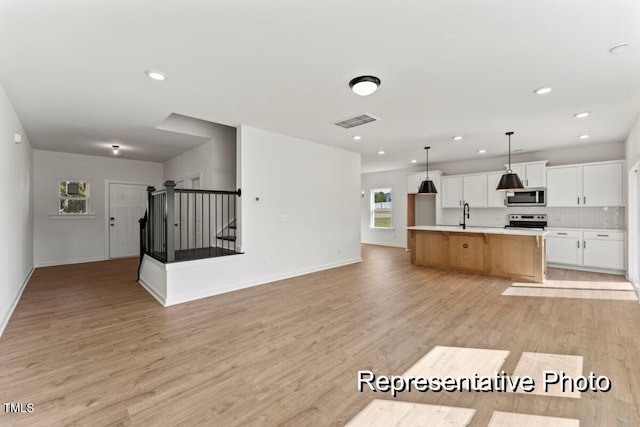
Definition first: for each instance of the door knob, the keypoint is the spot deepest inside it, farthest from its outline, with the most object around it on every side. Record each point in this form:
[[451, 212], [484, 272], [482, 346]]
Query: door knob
[[465, 246]]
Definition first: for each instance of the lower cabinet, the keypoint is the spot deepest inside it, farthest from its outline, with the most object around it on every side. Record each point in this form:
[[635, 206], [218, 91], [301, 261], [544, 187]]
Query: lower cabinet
[[466, 252], [603, 249], [564, 247], [586, 248]]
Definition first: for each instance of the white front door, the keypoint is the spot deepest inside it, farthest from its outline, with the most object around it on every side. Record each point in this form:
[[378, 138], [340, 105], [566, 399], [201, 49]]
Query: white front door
[[127, 203]]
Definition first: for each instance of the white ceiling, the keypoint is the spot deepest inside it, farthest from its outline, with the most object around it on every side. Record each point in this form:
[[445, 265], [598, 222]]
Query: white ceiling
[[75, 72]]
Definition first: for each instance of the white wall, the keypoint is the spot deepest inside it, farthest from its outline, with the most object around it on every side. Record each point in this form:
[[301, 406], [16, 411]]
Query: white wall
[[397, 181], [16, 216], [300, 213], [78, 240], [215, 160]]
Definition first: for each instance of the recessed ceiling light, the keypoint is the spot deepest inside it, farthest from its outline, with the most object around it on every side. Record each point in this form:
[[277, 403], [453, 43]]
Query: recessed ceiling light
[[380, 152], [581, 114], [585, 136], [364, 85], [357, 137], [619, 48], [116, 149], [414, 161], [457, 138], [482, 151], [156, 75], [542, 90]]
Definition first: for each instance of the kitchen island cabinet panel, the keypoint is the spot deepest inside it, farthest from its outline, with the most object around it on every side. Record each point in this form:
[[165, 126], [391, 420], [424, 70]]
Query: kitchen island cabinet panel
[[518, 258], [516, 254], [466, 252], [430, 250]]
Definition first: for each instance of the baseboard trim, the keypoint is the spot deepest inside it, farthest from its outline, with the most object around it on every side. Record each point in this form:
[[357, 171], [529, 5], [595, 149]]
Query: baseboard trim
[[179, 299], [69, 261], [153, 292], [5, 320], [583, 268], [390, 245]]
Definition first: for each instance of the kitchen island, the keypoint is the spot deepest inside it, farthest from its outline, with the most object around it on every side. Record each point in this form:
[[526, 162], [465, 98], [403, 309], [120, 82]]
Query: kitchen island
[[517, 254]]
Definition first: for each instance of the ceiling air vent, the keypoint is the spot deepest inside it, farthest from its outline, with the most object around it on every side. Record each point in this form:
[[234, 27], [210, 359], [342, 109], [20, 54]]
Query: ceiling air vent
[[352, 122]]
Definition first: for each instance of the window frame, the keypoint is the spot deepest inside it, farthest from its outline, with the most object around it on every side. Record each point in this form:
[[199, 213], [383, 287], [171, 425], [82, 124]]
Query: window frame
[[372, 208], [86, 198]]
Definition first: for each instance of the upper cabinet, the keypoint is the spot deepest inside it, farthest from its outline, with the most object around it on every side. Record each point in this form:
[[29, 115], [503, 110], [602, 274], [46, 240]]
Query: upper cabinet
[[474, 190], [495, 198], [564, 184], [451, 191], [415, 179], [591, 184], [532, 174], [602, 184], [461, 189]]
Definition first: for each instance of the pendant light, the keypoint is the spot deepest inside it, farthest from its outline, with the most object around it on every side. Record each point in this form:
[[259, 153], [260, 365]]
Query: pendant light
[[510, 181], [427, 186]]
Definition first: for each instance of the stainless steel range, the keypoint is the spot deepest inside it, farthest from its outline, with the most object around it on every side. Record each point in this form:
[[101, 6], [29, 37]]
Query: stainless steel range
[[529, 221]]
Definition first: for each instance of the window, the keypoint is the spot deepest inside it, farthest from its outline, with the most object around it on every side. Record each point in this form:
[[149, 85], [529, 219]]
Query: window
[[73, 197], [381, 216]]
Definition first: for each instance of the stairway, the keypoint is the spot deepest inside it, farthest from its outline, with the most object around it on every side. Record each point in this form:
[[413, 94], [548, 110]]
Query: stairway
[[228, 233]]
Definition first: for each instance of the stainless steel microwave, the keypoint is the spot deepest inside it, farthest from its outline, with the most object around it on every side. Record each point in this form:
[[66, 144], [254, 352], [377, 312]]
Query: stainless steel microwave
[[527, 197]]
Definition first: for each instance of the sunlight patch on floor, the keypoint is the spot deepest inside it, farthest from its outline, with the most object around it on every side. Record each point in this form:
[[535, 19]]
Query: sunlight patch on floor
[[510, 419], [386, 413], [458, 362]]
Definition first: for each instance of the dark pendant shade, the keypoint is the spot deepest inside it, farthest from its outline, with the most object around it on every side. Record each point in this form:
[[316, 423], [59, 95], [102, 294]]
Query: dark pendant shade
[[509, 182], [427, 187]]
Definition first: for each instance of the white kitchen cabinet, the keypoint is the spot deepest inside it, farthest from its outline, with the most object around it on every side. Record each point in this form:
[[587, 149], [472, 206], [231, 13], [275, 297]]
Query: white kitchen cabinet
[[603, 249], [451, 191], [594, 249], [564, 185], [495, 198], [602, 184], [591, 184], [414, 180], [474, 190], [532, 174], [564, 247]]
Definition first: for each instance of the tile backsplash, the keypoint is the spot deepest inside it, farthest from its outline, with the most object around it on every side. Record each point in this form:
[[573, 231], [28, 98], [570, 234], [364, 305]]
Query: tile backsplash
[[609, 218]]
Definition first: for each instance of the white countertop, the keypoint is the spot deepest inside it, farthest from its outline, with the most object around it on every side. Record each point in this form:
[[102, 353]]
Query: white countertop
[[487, 230], [612, 230]]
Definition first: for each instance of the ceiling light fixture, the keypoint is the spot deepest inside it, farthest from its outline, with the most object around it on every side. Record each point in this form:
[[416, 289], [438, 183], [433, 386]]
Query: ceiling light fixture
[[482, 151], [542, 90], [364, 85], [619, 48], [582, 114], [457, 138], [414, 161], [509, 181], [116, 149], [585, 136], [381, 152], [427, 186], [156, 75], [357, 137]]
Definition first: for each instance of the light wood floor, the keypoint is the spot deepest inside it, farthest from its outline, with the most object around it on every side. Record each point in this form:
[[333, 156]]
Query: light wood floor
[[88, 346]]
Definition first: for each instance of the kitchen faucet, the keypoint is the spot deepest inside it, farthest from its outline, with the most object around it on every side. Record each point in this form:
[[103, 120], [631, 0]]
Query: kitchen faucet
[[465, 215]]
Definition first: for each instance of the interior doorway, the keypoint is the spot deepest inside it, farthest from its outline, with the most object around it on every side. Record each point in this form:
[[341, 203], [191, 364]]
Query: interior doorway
[[127, 204]]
